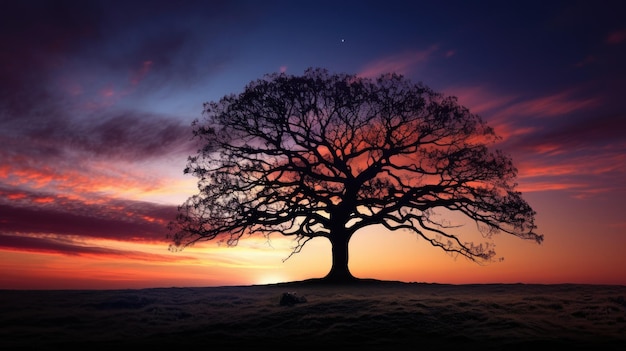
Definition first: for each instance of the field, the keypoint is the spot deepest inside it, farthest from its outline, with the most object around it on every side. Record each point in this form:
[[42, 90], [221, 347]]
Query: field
[[370, 315]]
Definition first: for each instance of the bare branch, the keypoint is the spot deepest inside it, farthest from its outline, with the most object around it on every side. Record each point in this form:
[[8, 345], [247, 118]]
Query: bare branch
[[324, 155]]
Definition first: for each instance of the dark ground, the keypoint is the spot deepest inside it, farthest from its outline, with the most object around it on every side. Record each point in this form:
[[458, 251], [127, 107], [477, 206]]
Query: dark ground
[[368, 316]]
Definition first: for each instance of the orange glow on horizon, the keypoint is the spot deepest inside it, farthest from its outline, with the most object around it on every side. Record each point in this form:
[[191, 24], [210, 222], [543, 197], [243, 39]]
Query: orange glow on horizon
[[374, 253]]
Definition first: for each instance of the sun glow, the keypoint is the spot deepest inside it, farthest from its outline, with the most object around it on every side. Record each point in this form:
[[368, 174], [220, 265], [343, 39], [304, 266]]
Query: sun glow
[[270, 278]]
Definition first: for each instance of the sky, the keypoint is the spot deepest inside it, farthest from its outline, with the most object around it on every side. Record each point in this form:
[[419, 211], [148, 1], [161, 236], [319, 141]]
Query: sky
[[97, 100]]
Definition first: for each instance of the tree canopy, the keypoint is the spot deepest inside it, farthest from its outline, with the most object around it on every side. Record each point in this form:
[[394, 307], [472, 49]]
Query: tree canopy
[[326, 155]]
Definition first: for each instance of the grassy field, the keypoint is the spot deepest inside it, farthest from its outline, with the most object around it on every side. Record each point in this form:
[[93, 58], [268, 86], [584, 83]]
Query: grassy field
[[371, 315]]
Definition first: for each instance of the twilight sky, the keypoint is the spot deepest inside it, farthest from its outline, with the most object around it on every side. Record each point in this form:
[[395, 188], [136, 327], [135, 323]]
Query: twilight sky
[[97, 98]]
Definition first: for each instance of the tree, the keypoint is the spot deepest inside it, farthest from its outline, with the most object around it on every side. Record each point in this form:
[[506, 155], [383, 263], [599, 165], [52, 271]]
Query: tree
[[326, 155]]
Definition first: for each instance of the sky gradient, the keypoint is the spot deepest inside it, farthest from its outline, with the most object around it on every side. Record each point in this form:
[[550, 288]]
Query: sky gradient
[[97, 100]]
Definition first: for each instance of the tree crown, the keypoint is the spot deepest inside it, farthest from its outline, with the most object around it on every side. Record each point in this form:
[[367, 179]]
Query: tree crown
[[326, 154]]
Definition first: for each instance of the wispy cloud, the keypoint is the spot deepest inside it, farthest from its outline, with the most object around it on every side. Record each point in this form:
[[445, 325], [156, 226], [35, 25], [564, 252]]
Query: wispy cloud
[[60, 245], [403, 63], [556, 143], [480, 99], [616, 37], [23, 212], [559, 104], [582, 172], [115, 156], [576, 135]]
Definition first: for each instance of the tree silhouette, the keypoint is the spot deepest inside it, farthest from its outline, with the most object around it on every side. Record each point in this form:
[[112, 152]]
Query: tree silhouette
[[326, 155]]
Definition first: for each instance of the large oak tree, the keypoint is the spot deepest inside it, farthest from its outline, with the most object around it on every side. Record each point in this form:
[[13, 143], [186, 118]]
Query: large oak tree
[[326, 155]]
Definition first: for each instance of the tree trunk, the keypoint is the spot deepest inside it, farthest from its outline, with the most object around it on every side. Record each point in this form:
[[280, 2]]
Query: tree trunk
[[339, 271]]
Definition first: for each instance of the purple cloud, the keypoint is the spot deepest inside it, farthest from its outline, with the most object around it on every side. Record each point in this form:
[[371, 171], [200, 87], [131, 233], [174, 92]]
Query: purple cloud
[[24, 212]]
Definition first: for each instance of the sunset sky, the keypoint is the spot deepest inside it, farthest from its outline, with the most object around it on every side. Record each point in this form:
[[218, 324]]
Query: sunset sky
[[97, 100]]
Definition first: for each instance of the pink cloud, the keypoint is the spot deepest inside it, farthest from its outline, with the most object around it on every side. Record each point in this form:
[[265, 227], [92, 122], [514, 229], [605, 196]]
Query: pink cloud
[[481, 100], [549, 156], [599, 175], [90, 180], [529, 186], [616, 37], [141, 73], [44, 199], [105, 217], [55, 245], [15, 196], [478, 99], [107, 92], [400, 64], [549, 106], [537, 169]]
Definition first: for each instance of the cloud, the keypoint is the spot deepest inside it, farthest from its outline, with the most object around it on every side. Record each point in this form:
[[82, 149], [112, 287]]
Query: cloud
[[24, 212], [403, 63], [130, 136], [558, 104], [44, 102], [522, 117], [40, 35], [559, 142], [482, 101], [116, 155], [616, 37], [585, 171], [583, 134], [56, 245], [583, 155], [68, 56], [125, 135], [76, 137]]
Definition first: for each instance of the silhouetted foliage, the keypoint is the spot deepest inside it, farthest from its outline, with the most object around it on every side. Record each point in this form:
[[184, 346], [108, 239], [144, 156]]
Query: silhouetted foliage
[[326, 155]]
